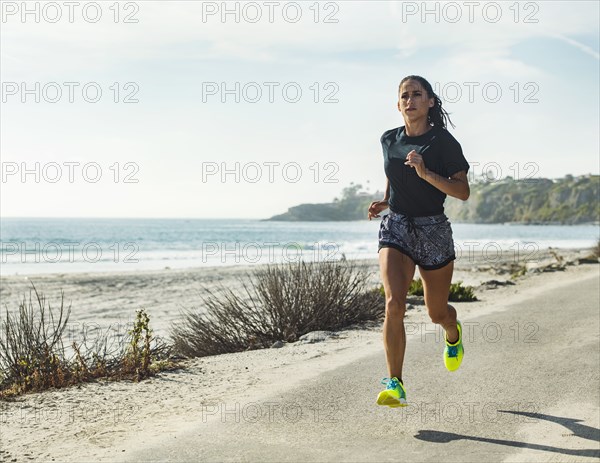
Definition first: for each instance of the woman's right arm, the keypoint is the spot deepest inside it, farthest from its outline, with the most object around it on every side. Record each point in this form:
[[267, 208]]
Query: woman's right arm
[[375, 206]]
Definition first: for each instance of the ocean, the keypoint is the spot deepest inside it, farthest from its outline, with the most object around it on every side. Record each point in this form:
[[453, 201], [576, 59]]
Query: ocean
[[71, 245]]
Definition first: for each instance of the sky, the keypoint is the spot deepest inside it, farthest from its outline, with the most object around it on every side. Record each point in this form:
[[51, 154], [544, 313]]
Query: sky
[[244, 109]]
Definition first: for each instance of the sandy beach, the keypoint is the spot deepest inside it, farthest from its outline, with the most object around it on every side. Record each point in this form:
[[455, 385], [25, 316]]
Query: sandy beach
[[109, 299], [108, 421]]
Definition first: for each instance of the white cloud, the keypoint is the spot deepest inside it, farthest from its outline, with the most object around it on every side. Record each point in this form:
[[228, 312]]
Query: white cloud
[[584, 48]]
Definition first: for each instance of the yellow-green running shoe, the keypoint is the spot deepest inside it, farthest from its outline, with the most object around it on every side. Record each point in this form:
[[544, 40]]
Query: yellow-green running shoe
[[394, 394], [453, 353]]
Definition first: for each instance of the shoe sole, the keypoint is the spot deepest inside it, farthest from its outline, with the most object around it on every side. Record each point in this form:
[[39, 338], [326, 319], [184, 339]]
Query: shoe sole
[[385, 399], [401, 404]]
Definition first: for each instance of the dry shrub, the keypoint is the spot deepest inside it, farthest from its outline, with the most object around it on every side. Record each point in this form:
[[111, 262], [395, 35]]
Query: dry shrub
[[281, 302]]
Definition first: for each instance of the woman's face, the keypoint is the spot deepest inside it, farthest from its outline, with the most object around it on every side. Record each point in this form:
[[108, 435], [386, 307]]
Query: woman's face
[[413, 102]]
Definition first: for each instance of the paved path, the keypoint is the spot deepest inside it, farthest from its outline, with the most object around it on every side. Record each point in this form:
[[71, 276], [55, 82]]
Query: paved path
[[528, 390]]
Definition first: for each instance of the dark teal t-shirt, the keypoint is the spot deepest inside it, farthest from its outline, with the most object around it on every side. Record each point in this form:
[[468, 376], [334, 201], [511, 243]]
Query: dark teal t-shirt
[[410, 194]]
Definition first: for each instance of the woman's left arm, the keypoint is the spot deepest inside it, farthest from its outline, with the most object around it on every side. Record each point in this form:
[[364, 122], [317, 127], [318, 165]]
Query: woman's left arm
[[457, 185]]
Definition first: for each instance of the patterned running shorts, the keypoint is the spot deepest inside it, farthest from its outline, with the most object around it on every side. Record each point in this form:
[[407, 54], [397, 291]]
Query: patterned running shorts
[[426, 240]]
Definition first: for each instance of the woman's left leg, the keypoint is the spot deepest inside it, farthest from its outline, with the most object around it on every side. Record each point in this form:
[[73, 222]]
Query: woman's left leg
[[436, 288]]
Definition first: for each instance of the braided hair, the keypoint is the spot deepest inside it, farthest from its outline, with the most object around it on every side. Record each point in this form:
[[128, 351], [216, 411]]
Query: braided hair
[[437, 115]]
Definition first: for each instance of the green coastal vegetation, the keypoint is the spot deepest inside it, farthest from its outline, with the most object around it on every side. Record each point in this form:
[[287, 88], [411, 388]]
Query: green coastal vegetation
[[567, 201], [457, 293]]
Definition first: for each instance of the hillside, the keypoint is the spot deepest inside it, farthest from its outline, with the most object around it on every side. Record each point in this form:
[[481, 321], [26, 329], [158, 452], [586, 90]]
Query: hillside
[[569, 200], [353, 205]]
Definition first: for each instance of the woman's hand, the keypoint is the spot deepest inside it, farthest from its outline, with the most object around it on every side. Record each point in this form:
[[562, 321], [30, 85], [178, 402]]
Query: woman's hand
[[376, 207], [415, 160]]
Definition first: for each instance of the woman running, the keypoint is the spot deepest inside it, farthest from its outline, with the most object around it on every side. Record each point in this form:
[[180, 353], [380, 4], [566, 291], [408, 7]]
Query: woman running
[[423, 164]]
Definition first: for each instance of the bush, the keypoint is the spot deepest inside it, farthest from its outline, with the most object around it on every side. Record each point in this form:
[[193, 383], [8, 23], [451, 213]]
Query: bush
[[416, 288], [281, 303], [33, 356], [457, 293], [137, 358], [519, 272]]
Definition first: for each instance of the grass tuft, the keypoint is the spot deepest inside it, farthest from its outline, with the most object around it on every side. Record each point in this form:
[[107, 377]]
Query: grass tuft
[[33, 355]]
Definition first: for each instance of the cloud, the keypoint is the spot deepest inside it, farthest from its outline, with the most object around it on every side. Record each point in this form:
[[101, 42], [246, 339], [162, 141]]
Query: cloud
[[171, 30], [584, 48]]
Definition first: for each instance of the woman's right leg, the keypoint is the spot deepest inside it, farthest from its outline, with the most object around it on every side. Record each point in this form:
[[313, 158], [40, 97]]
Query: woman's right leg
[[397, 271]]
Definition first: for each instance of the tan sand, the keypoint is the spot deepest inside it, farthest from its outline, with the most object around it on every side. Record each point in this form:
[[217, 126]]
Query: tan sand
[[100, 421]]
